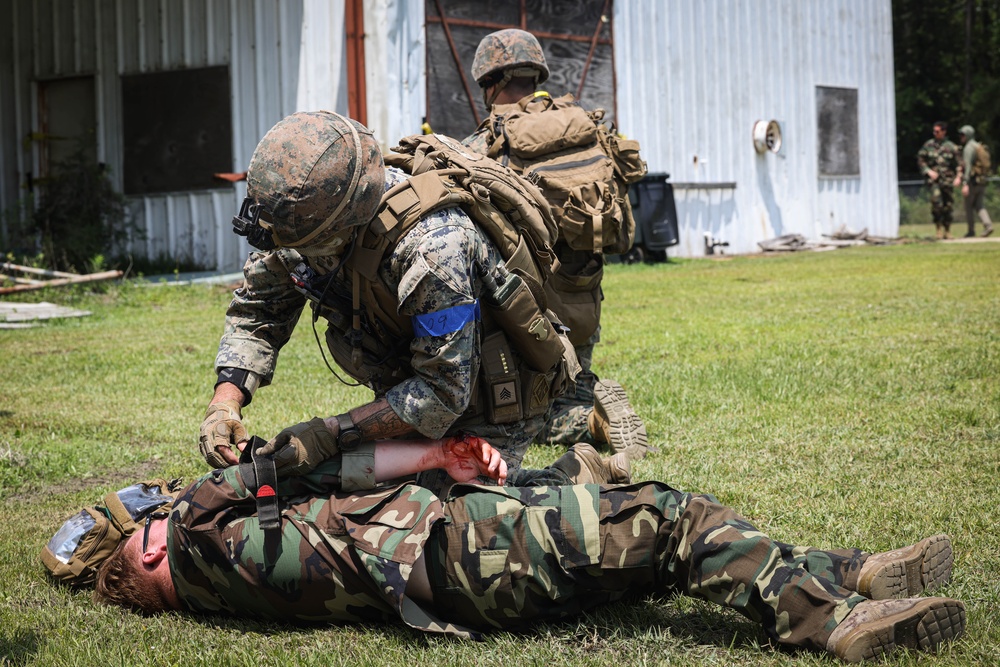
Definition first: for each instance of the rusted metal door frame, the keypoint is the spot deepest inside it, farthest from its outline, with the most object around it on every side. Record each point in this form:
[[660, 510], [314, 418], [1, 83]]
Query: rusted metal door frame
[[594, 40], [354, 22]]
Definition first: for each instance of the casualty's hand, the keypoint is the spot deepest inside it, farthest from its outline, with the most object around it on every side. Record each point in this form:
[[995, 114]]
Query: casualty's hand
[[932, 175], [466, 457], [299, 449], [222, 429], [965, 190], [957, 181]]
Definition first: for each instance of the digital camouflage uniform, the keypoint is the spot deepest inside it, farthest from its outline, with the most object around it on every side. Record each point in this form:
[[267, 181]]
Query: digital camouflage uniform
[[943, 157], [431, 271], [497, 557]]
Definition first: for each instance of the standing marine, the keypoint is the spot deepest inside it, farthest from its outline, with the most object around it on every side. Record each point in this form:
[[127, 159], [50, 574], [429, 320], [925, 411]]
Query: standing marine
[[584, 170], [940, 165]]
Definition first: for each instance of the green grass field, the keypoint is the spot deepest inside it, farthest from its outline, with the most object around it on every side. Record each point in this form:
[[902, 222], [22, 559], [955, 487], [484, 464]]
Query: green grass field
[[847, 398]]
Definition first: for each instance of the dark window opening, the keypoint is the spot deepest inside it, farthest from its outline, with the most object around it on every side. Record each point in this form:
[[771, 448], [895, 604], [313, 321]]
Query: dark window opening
[[576, 37], [837, 122], [177, 130]]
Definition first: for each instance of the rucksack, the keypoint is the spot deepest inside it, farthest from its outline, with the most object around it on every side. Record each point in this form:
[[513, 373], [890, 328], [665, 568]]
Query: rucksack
[[90, 536], [981, 169], [512, 212], [582, 168]]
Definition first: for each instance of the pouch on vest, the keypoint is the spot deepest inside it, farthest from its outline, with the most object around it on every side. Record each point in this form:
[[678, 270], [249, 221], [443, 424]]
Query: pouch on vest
[[515, 307], [502, 384], [89, 537], [578, 298]]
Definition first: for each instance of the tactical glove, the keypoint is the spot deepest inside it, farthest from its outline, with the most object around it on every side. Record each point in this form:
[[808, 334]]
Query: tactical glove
[[299, 449], [223, 427]]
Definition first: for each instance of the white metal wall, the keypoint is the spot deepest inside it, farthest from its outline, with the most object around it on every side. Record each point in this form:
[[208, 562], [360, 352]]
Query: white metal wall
[[693, 77], [284, 55]]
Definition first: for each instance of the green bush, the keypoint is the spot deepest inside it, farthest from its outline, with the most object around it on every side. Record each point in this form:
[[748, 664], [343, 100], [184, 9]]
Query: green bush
[[75, 221]]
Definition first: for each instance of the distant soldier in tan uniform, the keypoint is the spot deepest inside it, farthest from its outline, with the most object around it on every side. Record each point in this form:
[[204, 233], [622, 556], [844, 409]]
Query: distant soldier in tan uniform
[[939, 163], [976, 163], [584, 171]]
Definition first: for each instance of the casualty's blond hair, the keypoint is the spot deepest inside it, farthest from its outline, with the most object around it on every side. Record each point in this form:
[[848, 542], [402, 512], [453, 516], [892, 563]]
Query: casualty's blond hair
[[121, 582]]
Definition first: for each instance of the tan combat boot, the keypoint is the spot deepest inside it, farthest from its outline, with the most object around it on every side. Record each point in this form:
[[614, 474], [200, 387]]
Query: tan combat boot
[[615, 422], [583, 464], [908, 571], [987, 229], [938, 232], [876, 628]]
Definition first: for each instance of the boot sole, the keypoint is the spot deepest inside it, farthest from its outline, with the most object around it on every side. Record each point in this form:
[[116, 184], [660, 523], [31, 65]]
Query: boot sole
[[923, 570], [626, 431], [924, 626]]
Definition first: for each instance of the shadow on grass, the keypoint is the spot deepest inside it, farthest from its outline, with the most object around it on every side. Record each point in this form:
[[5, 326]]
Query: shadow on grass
[[20, 648]]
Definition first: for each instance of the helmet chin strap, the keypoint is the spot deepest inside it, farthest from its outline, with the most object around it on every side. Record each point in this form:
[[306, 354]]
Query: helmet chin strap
[[497, 88]]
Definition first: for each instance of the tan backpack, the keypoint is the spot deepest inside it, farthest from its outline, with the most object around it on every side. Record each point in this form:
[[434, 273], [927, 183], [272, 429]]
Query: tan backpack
[[981, 169], [582, 168], [513, 214], [90, 536]]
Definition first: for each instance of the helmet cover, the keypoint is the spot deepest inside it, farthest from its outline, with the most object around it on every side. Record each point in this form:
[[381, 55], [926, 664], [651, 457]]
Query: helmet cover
[[508, 49], [315, 174]]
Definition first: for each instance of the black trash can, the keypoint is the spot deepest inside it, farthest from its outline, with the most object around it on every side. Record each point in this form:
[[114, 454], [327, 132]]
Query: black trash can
[[655, 215]]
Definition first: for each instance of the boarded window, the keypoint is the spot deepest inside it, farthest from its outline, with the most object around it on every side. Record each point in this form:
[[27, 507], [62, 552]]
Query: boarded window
[[576, 37], [837, 123], [177, 130]]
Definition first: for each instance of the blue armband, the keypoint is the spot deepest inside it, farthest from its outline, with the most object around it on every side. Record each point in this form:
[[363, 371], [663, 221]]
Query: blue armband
[[445, 321]]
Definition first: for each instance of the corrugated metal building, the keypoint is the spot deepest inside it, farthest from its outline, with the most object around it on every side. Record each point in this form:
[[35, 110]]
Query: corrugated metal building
[[688, 79]]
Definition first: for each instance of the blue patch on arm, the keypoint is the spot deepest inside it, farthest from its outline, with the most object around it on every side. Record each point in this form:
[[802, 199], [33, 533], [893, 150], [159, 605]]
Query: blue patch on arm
[[445, 321]]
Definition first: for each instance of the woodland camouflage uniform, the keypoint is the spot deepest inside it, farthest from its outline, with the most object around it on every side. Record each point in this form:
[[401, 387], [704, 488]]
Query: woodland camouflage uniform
[[944, 158], [497, 557]]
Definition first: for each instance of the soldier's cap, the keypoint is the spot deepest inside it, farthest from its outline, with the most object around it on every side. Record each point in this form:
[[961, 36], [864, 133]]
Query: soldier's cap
[[968, 131], [316, 174]]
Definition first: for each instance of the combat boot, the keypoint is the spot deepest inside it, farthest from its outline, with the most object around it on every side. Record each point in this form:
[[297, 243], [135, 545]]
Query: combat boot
[[614, 422], [908, 571], [987, 230], [938, 232], [876, 628], [582, 464]]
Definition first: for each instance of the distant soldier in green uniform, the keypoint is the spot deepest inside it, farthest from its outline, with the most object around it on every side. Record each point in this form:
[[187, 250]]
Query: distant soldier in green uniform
[[940, 165], [584, 171], [404, 315], [490, 558], [976, 169]]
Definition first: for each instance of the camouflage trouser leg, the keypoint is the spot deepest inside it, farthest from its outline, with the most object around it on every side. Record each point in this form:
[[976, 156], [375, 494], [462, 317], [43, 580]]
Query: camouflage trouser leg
[[567, 422], [509, 556], [942, 198]]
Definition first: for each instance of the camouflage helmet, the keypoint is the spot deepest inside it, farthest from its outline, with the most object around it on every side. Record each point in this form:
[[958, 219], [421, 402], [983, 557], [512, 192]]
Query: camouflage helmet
[[313, 175], [505, 50]]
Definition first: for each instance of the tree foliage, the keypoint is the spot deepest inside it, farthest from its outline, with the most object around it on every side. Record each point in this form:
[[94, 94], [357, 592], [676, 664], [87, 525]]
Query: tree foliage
[[947, 58]]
